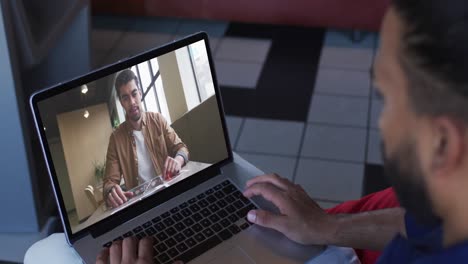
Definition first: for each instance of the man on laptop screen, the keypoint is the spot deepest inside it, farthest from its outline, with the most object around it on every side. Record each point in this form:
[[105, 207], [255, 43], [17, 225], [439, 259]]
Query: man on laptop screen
[[143, 147]]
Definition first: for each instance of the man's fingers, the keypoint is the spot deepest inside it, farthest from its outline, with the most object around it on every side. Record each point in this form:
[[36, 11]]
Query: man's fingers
[[111, 200], [274, 179], [172, 167], [270, 192], [103, 257], [128, 194], [129, 250], [165, 167], [177, 166], [121, 194], [145, 249], [267, 219], [117, 198], [116, 252]]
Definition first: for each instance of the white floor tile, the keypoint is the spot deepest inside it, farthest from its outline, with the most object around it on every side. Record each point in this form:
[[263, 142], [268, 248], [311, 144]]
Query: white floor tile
[[347, 58], [238, 74], [339, 110], [376, 109], [335, 143], [342, 82], [270, 137], [374, 154], [243, 49], [330, 180], [233, 125], [283, 166]]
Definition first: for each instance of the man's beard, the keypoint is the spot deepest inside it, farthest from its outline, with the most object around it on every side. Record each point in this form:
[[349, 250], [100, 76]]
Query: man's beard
[[135, 117], [404, 172]]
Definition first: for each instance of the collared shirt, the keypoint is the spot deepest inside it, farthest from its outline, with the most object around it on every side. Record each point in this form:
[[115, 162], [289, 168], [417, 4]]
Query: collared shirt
[[422, 245], [122, 160]]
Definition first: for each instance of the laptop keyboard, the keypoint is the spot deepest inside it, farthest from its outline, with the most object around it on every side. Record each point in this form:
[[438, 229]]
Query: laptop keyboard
[[197, 225]]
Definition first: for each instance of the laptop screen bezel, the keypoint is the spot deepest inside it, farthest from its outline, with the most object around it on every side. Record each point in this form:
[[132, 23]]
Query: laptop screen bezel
[[132, 211]]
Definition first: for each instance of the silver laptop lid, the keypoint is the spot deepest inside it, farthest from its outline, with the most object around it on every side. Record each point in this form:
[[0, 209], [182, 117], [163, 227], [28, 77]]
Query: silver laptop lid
[[87, 132]]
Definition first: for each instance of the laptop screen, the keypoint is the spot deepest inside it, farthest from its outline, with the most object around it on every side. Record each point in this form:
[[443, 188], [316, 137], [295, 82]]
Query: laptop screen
[[119, 139]]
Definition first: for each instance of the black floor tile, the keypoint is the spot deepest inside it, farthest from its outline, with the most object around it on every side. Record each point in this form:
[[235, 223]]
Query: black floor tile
[[286, 83], [374, 179]]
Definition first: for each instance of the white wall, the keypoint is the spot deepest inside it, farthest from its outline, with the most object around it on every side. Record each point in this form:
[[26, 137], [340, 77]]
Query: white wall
[[173, 86], [58, 157], [85, 142], [188, 79]]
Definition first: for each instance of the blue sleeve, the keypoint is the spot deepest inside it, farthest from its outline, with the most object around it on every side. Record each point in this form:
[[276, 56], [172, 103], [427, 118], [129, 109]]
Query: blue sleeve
[[415, 230]]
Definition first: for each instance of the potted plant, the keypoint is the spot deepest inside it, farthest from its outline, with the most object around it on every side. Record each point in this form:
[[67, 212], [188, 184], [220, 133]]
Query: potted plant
[[99, 170]]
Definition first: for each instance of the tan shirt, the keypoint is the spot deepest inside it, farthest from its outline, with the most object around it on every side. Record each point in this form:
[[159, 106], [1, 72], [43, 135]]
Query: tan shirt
[[121, 160]]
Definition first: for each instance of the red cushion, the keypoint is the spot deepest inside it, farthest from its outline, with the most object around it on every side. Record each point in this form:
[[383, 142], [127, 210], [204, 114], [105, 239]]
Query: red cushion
[[379, 200], [355, 14]]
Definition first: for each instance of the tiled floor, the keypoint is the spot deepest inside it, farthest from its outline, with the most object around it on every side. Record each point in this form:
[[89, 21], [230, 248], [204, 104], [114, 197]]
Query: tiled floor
[[307, 109]]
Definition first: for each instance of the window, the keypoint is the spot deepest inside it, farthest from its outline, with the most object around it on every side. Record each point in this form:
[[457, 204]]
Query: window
[[195, 74], [154, 99], [201, 69]]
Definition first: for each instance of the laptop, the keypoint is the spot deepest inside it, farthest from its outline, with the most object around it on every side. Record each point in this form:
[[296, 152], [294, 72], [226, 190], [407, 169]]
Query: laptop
[[198, 215]]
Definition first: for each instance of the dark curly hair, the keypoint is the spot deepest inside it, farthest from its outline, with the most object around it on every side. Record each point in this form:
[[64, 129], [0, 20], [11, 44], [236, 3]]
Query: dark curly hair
[[434, 55], [123, 78]]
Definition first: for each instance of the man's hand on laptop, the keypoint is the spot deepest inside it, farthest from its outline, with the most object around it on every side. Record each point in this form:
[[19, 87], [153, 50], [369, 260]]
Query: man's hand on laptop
[[301, 219], [129, 251], [172, 167], [117, 196]]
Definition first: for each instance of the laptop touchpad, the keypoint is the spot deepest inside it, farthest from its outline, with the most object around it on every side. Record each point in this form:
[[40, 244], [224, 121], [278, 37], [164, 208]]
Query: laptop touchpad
[[234, 255]]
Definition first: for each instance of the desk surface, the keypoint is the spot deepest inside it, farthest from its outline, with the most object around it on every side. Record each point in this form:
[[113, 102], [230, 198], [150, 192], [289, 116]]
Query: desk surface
[[102, 212]]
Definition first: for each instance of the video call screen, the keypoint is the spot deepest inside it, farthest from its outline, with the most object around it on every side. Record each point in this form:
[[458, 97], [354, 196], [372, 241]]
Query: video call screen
[[125, 137]]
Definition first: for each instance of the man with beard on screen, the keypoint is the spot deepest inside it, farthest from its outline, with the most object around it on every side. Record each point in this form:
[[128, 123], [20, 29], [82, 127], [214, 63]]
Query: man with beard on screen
[[421, 72], [142, 147]]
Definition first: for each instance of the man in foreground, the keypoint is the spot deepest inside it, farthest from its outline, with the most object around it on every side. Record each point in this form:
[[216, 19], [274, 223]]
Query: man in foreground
[[421, 72]]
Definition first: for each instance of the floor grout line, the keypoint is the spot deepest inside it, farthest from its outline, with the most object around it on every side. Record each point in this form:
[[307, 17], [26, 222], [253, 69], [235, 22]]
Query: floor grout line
[[341, 95], [241, 128], [343, 68], [344, 96], [251, 62], [299, 157], [366, 147], [302, 141], [333, 125], [333, 160]]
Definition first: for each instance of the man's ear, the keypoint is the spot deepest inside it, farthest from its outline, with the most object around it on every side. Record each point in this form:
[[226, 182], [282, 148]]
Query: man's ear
[[448, 145]]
